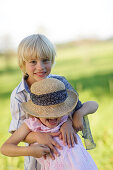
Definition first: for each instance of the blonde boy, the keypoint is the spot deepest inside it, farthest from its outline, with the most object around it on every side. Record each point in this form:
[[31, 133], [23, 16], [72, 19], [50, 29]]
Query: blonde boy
[[36, 56]]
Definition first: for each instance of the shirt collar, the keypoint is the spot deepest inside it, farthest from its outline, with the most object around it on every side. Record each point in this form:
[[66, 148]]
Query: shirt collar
[[23, 86]]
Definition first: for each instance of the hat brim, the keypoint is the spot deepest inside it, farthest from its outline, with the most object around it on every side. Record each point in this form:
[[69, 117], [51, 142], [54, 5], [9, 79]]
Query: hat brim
[[53, 111]]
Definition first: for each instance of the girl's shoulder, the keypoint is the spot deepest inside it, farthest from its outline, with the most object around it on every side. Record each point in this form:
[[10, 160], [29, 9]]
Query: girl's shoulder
[[35, 125]]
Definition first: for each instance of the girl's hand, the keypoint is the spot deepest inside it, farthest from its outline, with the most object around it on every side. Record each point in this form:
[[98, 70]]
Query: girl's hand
[[78, 122], [47, 139], [68, 134], [38, 150]]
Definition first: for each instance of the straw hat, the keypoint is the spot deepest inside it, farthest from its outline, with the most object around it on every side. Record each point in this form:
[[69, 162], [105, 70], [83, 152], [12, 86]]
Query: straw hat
[[50, 99]]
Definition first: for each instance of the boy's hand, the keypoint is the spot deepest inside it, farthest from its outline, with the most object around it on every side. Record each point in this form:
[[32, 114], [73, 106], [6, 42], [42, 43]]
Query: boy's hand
[[78, 122], [38, 150], [46, 139], [68, 134]]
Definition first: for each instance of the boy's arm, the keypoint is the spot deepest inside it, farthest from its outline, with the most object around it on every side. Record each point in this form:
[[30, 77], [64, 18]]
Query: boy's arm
[[10, 148], [16, 112], [67, 132], [87, 108]]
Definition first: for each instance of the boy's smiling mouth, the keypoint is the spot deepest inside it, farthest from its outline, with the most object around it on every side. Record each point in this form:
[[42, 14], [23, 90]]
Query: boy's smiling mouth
[[40, 74]]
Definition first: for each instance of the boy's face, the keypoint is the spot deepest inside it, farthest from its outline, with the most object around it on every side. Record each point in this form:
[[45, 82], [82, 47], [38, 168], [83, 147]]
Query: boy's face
[[51, 123], [37, 69]]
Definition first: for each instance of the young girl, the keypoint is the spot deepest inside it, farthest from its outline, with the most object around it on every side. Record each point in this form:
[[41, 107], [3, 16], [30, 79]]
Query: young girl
[[49, 108], [36, 55]]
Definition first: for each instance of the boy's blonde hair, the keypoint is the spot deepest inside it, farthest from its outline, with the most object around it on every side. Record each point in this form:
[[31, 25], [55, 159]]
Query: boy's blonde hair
[[33, 47]]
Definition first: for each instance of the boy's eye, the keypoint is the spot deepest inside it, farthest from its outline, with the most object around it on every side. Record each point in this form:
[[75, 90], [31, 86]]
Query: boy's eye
[[46, 60], [33, 62]]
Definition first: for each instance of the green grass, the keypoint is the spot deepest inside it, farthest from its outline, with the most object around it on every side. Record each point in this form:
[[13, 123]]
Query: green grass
[[89, 68]]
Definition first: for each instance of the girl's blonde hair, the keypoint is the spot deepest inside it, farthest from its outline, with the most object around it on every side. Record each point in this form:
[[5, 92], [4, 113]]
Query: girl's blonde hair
[[33, 47]]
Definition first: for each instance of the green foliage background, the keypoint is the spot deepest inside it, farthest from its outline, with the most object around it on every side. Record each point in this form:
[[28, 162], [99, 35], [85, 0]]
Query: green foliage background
[[88, 66]]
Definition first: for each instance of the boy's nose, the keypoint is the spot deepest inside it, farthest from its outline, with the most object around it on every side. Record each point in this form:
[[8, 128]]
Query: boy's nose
[[40, 65]]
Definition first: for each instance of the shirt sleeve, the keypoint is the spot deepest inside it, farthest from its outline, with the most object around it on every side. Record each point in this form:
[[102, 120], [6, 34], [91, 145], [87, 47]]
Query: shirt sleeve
[[18, 115]]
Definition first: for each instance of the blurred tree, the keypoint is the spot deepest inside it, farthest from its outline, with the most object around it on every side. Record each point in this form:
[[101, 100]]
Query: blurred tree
[[6, 49]]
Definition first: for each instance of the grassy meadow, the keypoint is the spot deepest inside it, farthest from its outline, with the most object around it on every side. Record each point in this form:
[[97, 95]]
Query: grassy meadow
[[88, 66]]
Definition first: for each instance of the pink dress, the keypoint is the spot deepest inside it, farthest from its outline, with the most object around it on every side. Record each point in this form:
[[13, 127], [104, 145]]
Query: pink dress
[[76, 158]]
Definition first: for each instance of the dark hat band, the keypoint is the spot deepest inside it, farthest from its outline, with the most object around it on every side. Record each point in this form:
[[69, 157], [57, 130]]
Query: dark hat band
[[49, 98]]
